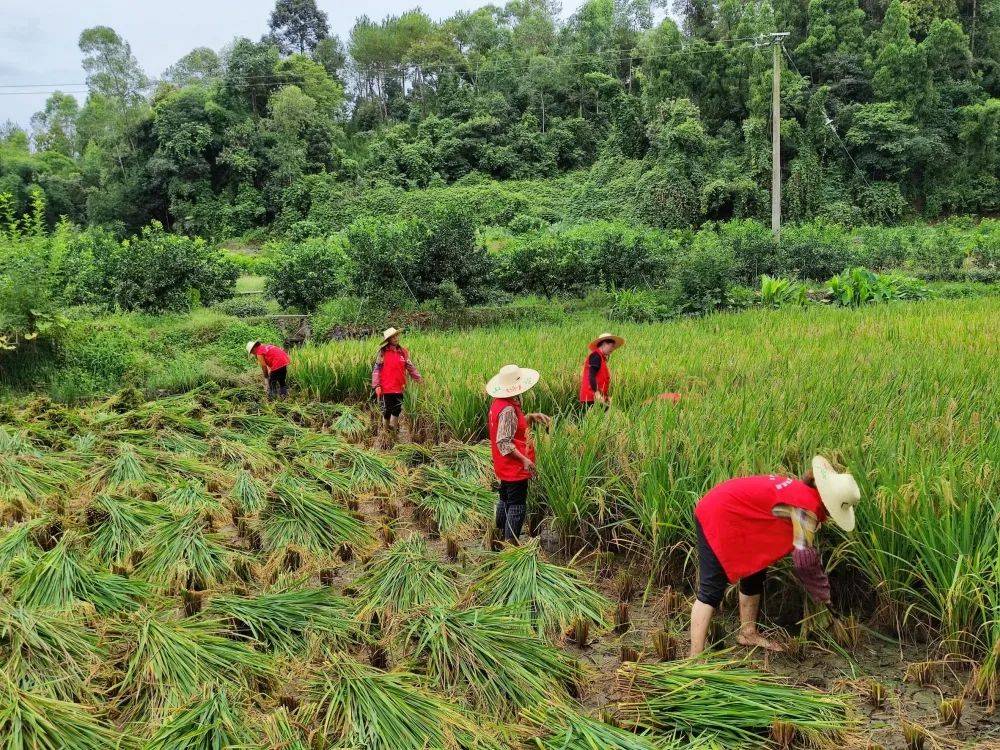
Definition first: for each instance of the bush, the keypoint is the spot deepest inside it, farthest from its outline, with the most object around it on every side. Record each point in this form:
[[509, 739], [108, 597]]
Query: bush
[[301, 275], [859, 286], [244, 306], [249, 264], [159, 272], [814, 250], [753, 248], [705, 273], [349, 316], [643, 305]]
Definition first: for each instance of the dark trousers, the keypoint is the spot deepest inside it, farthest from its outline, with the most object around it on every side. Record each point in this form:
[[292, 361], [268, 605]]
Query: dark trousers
[[512, 508], [277, 383], [712, 579]]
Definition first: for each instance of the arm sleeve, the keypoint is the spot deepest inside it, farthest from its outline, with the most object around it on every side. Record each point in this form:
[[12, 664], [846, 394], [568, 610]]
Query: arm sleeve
[[377, 371], [412, 369], [593, 367], [506, 427]]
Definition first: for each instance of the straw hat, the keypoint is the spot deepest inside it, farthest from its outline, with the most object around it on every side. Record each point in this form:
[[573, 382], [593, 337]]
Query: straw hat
[[251, 345], [387, 334], [839, 492], [511, 381], [619, 341]]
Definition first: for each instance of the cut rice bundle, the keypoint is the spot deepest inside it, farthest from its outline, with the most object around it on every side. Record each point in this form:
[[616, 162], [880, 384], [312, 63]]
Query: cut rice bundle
[[402, 579], [298, 513], [455, 504], [182, 553], [554, 597]]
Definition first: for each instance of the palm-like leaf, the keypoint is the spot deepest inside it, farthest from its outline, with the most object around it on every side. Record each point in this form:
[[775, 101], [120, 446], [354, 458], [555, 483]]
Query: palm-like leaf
[[488, 655], [552, 595]]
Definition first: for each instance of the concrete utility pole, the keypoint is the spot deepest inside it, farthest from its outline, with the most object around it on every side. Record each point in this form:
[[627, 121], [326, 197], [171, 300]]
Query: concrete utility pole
[[776, 41]]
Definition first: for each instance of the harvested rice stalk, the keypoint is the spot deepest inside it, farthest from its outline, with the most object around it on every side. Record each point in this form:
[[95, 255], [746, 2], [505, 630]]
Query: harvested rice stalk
[[183, 553], [283, 619], [119, 526], [728, 701], [556, 727], [489, 655], [30, 721], [552, 595], [402, 579], [248, 492], [360, 706], [192, 496], [299, 513], [469, 462], [51, 652], [454, 503], [281, 731], [18, 541], [208, 720], [164, 661]]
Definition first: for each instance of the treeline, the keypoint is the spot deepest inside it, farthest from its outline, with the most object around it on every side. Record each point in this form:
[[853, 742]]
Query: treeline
[[889, 111]]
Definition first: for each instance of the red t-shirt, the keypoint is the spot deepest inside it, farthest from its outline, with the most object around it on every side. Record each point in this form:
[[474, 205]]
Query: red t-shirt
[[737, 518], [274, 356]]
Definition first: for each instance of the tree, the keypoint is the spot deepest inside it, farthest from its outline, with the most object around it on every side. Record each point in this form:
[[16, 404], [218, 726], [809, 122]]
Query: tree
[[298, 25], [111, 68], [330, 53], [55, 126], [200, 65]]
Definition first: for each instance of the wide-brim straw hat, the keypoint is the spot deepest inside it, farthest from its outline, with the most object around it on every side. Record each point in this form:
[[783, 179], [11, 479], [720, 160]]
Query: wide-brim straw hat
[[619, 341], [251, 345], [388, 333], [838, 491], [511, 381]]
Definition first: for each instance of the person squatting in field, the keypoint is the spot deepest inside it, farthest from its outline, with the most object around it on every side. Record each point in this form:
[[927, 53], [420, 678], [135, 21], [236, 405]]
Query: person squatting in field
[[595, 379], [273, 362], [745, 525], [511, 446], [389, 373]]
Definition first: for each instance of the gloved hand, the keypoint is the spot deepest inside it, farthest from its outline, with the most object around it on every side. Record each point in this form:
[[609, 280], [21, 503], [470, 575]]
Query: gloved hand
[[809, 571]]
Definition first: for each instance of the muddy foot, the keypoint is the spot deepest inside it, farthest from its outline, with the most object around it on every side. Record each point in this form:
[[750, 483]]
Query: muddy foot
[[756, 639]]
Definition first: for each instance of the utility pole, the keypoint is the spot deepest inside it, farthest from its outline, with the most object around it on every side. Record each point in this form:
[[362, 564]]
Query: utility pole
[[776, 41]]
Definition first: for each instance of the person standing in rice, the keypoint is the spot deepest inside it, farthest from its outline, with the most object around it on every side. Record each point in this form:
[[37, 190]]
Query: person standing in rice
[[274, 363], [389, 374], [595, 379], [511, 445], [744, 525]]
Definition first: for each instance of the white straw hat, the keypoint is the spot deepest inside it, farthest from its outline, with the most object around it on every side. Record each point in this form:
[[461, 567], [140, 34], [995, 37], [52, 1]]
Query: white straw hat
[[511, 381], [839, 492], [619, 341], [251, 345], [388, 333]]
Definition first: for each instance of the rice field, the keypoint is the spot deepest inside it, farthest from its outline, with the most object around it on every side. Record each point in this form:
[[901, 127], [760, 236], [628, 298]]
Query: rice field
[[210, 571]]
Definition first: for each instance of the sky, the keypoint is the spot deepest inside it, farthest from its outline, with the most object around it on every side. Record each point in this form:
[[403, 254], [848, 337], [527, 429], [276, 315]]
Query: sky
[[38, 38]]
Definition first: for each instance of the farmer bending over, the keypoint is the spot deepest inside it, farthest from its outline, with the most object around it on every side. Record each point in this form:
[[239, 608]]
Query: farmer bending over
[[273, 362], [595, 380], [392, 365], [511, 446], [744, 525]]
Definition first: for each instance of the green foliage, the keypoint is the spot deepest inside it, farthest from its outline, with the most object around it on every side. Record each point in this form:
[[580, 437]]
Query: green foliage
[[778, 292], [814, 251], [705, 273], [302, 275], [859, 286]]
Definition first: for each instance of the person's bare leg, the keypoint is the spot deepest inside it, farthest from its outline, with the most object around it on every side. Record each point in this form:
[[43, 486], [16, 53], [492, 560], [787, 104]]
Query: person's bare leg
[[701, 617], [749, 635]]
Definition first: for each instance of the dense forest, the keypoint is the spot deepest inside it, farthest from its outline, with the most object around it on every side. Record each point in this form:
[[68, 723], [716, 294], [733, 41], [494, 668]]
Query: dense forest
[[890, 111]]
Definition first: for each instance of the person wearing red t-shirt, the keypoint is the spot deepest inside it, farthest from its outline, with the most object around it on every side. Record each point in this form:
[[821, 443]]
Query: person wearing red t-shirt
[[389, 373], [744, 525], [511, 447], [595, 379], [274, 363]]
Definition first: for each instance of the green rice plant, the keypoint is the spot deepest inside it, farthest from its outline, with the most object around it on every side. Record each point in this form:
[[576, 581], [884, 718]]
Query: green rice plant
[[124, 470], [574, 485], [208, 721], [402, 579], [489, 656], [236, 449], [119, 526], [32, 721], [552, 596], [255, 426], [248, 492], [557, 727], [453, 502], [164, 661], [314, 466], [729, 702], [412, 455], [182, 552], [58, 578], [360, 706], [50, 652], [282, 620], [191, 496], [366, 470], [349, 421], [297, 512], [32, 478], [17, 443]]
